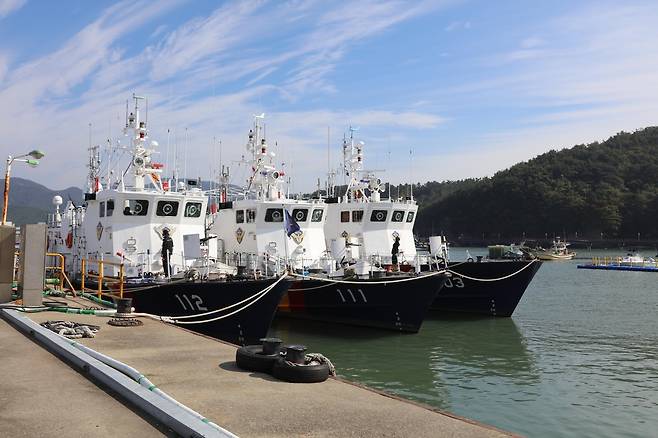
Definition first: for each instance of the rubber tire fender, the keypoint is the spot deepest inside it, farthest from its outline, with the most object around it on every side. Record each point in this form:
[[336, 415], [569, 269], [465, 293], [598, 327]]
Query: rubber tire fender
[[300, 373], [251, 358]]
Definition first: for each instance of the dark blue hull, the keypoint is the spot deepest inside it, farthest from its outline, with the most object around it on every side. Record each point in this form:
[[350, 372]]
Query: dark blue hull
[[494, 298], [399, 306], [246, 326]]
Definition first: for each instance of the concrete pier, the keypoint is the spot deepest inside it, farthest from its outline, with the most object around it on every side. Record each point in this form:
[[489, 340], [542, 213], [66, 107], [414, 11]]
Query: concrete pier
[[33, 263], [199, 372], [7, 243]]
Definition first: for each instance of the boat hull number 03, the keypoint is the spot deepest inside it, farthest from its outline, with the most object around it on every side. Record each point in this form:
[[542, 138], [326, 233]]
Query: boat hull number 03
[[193, 302], [454, 282]]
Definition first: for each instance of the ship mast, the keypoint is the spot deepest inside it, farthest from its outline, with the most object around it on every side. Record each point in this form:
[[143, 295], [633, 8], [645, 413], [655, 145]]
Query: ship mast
[[363, 185], [136, 131], [94, 165], [265, 179]]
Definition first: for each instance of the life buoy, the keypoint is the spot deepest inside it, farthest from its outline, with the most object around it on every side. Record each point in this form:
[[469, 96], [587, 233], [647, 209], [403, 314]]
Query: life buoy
[[69, 240], [470, 260]]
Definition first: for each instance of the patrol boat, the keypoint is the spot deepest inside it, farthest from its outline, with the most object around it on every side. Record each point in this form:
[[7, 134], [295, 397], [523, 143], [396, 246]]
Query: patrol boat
[[112, 242], [265, 231], [362, 227]]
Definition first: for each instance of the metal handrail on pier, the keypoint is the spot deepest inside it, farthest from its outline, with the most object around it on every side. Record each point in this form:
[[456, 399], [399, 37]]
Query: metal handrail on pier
[[101, 277], [60, 268]]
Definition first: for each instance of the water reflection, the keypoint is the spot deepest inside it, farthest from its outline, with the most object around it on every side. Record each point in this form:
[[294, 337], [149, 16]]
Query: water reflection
[[479, 347], [446, 353]]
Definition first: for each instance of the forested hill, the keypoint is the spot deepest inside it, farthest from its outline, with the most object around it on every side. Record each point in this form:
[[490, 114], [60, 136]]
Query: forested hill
[[609, 188]]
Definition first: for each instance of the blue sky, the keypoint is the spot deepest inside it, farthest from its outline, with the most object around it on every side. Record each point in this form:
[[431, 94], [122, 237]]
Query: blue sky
[[471, 87]]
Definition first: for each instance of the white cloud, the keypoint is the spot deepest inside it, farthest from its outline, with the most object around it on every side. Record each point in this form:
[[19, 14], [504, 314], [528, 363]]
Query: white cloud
[[9, 6], [94, 76], [458, 25]]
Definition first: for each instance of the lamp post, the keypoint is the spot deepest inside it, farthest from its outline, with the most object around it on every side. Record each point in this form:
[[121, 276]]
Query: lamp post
[[32, 162]]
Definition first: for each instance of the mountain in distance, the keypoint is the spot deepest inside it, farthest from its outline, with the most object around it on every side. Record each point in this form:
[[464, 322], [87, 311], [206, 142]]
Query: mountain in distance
[[600, 190], [31, 202]]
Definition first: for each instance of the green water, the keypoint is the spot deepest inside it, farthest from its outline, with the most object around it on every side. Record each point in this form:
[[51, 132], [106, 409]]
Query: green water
[[578, 358]]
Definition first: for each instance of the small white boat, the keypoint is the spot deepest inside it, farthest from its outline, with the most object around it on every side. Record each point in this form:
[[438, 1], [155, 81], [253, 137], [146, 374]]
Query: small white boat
[[559, 251], [635, 258]]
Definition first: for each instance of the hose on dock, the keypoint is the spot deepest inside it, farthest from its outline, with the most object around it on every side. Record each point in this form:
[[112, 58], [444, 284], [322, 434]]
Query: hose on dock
[[145, 382], [164, 410], [73, 310]]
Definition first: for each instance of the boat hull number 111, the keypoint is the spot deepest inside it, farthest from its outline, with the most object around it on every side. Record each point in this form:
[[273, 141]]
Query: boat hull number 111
[[193, 302]]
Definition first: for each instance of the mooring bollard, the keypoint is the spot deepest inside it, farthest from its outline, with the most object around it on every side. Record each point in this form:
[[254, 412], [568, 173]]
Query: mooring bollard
[[271, 345], [124, 316], [124, 305], [296, 353]]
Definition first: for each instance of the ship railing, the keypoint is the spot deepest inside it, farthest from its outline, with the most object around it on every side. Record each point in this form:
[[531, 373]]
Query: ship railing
[[100, 276]]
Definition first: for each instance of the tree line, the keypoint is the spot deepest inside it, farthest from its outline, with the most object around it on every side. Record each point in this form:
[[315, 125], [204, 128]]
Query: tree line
[[607, 189]]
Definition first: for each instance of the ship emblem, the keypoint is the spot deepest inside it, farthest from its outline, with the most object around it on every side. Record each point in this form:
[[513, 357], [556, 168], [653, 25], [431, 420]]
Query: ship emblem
[[297, 237], [99, 231], [395, 234], [345, 234], [239, 234]]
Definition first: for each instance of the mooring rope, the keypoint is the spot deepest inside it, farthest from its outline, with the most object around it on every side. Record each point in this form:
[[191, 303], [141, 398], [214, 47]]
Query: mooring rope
[[492, 279], [261, 292], [399, 280]]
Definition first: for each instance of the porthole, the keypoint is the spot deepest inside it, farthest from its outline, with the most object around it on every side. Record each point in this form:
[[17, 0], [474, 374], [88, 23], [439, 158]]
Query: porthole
[[167, 208]]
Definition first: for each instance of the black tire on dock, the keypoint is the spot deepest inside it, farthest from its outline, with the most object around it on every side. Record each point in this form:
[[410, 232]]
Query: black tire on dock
[[251, 358], [288, 372]]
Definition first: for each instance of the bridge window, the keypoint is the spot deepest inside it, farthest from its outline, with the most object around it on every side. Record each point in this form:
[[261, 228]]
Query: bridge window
[[251, 215], [344, 216], [239, 216], [167, 208], [300, 214], [101, 209], [378, 216], [274, 215], [136, 207], [193, 209], [110, 207], [317, 215], [357, 216], [410, 216], [398, 216]]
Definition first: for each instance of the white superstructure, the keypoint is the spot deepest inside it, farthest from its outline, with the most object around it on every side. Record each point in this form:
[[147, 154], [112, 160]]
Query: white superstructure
[[250, 231], [123, 217], [360, 225]]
